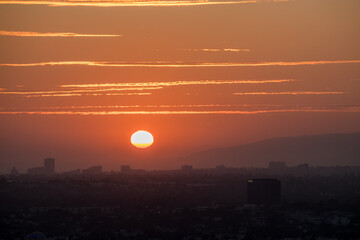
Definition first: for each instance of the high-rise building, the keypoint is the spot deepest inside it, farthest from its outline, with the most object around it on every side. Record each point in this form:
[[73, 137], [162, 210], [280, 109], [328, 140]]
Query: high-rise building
[[125, 169], [49, 165], [263, 191], [48, 168]]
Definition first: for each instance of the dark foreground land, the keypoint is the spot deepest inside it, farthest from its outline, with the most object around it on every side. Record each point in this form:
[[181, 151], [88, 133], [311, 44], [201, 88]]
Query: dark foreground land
[[174, 205]]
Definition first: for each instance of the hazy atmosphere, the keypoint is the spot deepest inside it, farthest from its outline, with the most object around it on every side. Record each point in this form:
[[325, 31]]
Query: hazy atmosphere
[[180, 119], [77, 78]]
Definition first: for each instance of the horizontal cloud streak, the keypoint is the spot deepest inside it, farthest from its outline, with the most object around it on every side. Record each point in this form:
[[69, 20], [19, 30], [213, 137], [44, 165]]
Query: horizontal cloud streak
[[176, 83], [184, 109], [165, 106], [113, 89], [218, 50], [79, 91], [347, 110], [55, 34], [91, 94], [289, 93], [56, 95], [127, 94], [179, 64], [132, 3]]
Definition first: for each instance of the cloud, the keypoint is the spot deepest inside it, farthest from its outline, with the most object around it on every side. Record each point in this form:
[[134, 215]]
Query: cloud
[[357, 110], [180, 64], [164, 106], [55, 34], [56, 95], [247, 109], [176, 83], [134, 3], [116, 89], [218, 50], [113, 89], [90, 94], [79, 92]]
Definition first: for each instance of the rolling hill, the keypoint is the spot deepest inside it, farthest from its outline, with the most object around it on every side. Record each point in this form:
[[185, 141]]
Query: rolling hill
[[317, 150]]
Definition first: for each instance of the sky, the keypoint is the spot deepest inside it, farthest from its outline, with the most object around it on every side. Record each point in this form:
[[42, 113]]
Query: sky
[[77, 78]]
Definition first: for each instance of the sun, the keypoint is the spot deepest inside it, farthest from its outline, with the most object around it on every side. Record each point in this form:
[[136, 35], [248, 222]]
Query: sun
[[142, 139]]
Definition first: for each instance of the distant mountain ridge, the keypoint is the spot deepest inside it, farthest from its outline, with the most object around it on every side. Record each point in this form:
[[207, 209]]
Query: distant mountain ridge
[[317, 150]]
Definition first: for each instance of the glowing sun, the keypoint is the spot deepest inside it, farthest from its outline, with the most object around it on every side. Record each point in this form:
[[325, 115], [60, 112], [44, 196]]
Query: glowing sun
[[142, 139]]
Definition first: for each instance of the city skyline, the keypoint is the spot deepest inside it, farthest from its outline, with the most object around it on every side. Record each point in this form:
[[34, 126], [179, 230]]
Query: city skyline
[[179, 119]]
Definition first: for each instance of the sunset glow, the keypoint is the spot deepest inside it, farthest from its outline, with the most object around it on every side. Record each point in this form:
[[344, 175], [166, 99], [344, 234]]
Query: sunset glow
[[180, 119], [78, 77]]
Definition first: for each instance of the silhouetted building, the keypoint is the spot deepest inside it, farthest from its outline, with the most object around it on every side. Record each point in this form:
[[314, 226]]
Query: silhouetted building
[[263, 191], [92, 170], [72, 172], [138, 171], [49, 165], [48, 168], [186, 168], [125, 169]]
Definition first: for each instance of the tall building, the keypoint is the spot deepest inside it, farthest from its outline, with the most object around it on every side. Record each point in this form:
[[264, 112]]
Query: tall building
[[48, 168], [49, 165], [125, 169], [263, 191]]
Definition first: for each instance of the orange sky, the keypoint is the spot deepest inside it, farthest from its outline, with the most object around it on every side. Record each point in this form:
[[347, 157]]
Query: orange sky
[[77, 78]]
